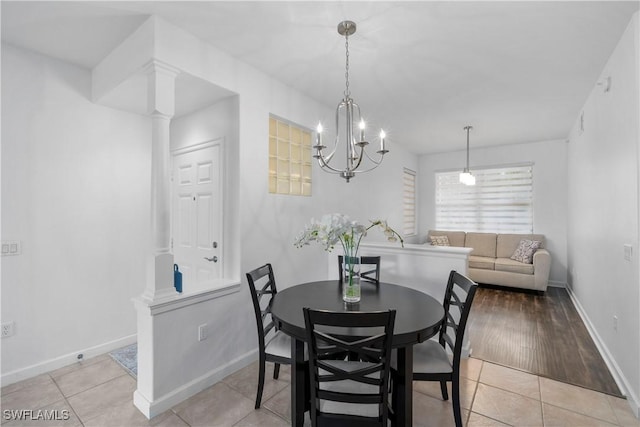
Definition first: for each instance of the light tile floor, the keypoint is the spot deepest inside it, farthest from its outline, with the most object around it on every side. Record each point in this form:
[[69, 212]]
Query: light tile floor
[[98, 392]]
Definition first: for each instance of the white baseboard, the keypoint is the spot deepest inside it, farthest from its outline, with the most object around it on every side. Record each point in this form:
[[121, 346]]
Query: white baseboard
[[557, 284], [65, 360], [152, 408], [616, 372]]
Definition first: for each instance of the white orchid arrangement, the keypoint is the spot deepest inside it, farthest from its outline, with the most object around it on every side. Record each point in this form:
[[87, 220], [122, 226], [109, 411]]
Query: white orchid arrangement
[[334, 228]]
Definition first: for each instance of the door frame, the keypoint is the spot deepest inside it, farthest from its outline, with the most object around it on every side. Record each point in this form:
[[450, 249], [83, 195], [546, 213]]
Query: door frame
[[221, 176]]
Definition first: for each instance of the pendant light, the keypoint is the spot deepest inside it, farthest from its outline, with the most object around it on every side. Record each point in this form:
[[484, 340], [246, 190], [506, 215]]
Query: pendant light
[[466, 177]]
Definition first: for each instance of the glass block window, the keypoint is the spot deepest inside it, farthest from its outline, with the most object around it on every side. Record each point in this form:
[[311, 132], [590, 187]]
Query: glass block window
[[289, 158]]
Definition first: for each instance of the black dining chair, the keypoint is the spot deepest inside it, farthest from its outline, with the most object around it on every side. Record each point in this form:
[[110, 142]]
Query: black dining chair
[[273, 345], [371, 274], [431, 362], [349, 392]]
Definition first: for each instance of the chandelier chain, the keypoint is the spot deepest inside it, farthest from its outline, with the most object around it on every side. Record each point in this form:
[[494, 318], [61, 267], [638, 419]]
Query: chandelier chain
[[347, 92]]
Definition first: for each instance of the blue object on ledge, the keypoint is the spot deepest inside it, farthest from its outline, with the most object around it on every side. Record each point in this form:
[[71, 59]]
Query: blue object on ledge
[[177, 278]]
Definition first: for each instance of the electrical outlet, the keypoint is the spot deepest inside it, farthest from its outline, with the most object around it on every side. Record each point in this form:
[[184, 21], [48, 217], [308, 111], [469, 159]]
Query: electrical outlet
[[615, 323], [202, 332], [7, 329], [11, 248]]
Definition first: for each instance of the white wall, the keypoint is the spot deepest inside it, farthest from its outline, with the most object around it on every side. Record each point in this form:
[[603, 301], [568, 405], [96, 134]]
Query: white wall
[[603, 212], [373, 195], [261, 226], [218, 122], [549, 190], [75, 191]]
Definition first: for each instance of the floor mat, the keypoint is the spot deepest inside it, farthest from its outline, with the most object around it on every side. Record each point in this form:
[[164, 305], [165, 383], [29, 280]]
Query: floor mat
[[127, 357]]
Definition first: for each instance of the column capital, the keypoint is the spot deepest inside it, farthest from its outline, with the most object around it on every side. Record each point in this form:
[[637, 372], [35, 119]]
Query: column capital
[[158, 115], [157, 66], [161, 87]]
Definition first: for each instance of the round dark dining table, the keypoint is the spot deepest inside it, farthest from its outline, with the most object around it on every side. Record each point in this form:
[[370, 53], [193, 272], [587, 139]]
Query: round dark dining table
[[418, 317]]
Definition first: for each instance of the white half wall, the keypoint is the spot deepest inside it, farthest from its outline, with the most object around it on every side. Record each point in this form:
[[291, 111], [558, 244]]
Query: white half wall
[[603, 214], [75, 192], [549, 190]]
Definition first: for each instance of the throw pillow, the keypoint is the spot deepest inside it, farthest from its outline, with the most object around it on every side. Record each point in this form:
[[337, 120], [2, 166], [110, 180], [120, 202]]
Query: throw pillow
[[526, 249], [439, 240]]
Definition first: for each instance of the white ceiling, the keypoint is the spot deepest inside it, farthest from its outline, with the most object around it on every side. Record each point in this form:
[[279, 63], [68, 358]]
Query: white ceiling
[[517, 71]]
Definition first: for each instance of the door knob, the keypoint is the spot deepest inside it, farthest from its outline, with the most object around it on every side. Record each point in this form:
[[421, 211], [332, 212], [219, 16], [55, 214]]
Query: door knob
[[213, 259]]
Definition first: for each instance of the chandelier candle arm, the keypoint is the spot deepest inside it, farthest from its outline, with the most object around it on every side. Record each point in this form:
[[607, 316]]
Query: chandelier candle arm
[[362, 141], [350, 112], [318, 147], [382, 150]]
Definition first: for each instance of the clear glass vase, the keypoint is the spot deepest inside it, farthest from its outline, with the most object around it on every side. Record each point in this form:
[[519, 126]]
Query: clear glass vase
[[351, 279]]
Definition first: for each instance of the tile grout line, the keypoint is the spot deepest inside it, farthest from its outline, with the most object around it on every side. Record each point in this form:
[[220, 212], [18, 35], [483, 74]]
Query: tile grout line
[[273, 411], [585, 415], [615, 413], [96, 385], [605, 395], [82, 422], [591, 416], [474, 398], [544, 422], [66, 400], [276, 414], [507, 391], [252, 397], [543, 402], [475, 391], [539, 379], [179, 417]]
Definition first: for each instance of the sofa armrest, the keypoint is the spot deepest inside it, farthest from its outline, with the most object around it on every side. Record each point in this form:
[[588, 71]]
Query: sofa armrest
[[541, 269]]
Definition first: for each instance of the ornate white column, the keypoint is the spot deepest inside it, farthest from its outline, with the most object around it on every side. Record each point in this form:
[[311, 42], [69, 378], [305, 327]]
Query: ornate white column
[[161, 107]]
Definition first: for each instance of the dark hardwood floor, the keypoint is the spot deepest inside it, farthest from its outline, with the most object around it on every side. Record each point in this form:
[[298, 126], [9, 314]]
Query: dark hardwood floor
[[541, 334]]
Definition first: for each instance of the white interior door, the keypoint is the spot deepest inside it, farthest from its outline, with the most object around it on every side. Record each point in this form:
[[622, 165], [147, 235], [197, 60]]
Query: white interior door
[[197, 214]]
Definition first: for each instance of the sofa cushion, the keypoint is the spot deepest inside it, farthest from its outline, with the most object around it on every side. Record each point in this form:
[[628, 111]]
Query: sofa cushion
[[508, 243], [526, 249], [439, 240], [456, 238], [483, 262], [483, 244], [512, 266]]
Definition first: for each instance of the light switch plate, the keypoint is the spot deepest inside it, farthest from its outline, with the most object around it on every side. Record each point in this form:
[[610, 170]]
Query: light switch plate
[[202, 332], [11, 247], [628, 252]]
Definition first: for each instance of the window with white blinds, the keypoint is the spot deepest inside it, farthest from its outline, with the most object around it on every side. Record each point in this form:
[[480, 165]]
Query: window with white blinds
[[409, 203], [500, 202]]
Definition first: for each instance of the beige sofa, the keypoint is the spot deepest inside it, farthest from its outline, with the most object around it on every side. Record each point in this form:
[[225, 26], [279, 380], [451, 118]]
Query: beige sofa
[[490, 261]]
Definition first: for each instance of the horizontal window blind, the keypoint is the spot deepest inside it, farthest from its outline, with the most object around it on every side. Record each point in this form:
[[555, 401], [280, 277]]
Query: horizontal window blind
[[409, 203], [501, 201]]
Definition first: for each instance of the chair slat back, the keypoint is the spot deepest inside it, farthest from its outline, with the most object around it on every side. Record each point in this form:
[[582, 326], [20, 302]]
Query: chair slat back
[[370, 274], [331, 335], [457, 305], [263, 278]]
